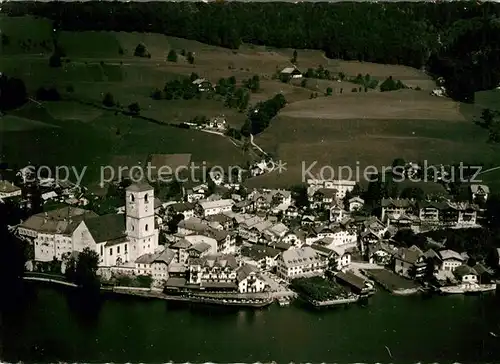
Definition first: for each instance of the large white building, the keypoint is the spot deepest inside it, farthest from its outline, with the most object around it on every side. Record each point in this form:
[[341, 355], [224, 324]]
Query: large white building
[[300, 262], [207, 208], [342, 186], [118, 239]]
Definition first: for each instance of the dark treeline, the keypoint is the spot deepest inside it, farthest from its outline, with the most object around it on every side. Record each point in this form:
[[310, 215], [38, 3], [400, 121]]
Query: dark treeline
[[456, 40]]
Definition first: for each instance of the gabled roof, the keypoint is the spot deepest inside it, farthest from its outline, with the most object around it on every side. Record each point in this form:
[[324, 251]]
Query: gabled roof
[[447, 254], [181, 207], [140, 187], [216, 204], [258, 252], [397, 203], [181, 244], [409, 255], [464, 270], [7, 187], [166, 256], [303, 256], [245, 270], [201, 247], [356, 199], [479, 189], [107, 227], [61, 221]]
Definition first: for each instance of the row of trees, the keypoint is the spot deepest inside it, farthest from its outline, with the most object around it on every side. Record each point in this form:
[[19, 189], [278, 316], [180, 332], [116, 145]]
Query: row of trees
[[455, 41], [261, 114], [490, 120]]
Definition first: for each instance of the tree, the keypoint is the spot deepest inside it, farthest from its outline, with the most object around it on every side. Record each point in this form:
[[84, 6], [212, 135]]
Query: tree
[[303, 83], [108, 100], [156, 94], [294, 57], [134, 108], [190, 57], [55, 60], [329, 91], [172, 56], [141, 51], [83, 270], [415, 193], [13, 93]]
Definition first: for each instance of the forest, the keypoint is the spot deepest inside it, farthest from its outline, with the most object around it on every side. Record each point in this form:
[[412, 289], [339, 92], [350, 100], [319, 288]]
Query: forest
[[458, 41]]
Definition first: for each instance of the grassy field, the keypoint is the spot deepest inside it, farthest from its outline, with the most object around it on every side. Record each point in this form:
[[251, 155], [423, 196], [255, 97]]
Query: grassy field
[[350, 128]]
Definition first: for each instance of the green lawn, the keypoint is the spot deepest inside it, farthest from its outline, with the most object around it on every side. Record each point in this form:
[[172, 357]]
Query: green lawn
[[26, 35], [89, 44]]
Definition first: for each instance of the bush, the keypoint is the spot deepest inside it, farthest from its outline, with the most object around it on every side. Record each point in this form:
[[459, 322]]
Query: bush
[[55, 60], [50, 94], [108, 100], [141, 51], [190, 57], [134, 108], [172, 56]]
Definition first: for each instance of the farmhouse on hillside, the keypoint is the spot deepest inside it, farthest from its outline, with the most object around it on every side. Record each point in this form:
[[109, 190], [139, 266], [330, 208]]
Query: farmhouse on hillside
[[291, 72], [203, 84]]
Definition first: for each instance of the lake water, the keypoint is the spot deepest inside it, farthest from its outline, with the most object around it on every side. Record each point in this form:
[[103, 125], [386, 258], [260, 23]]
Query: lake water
[[51, 323]]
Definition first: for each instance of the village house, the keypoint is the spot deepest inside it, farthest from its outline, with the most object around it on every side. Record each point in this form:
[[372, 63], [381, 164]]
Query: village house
[[244, 206], [342, 186], [226, 240], [160, 264], [380, 253], [337, 214], [356, 284], [291, 212], [181, 251], [250, 280], [218, 122], [356, 203], [403, 221], [8, 190], [183, 208], [300, 262], [196, 193], [308, 220], [478, 193], [269, 199], [396, 206], [195, 240], [192, 225], [203, 84], [409, 262], [213, 272], [295, 238], [429, 211], [225, 221], [262, 256], [291, 72], [466, 274], [459, 214], [207, 208], [323, 197], [450, 260]]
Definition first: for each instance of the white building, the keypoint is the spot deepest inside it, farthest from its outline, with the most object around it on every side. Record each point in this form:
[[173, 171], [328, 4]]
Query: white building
[[249, 279], [207, 208], [477, 192], [356, 203], [8, 190], [300, 262], [342, 186], [450, 260]]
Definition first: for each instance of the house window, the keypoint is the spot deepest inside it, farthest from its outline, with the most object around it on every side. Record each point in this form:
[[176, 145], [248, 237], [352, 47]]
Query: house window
[[110, 251], [118, 250], [146, 227], [146, 197], [102, 250], [132, 198], [126, 248]]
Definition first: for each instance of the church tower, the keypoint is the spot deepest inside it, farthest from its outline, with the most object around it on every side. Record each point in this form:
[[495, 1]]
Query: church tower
[[140, 220]]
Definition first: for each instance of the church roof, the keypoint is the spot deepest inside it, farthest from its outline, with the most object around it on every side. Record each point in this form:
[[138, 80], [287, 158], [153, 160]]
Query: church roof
[[107, 227], [139, 187]]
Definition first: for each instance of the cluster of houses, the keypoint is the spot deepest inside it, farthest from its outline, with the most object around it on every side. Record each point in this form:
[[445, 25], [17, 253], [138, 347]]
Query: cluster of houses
[[228, 239]]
